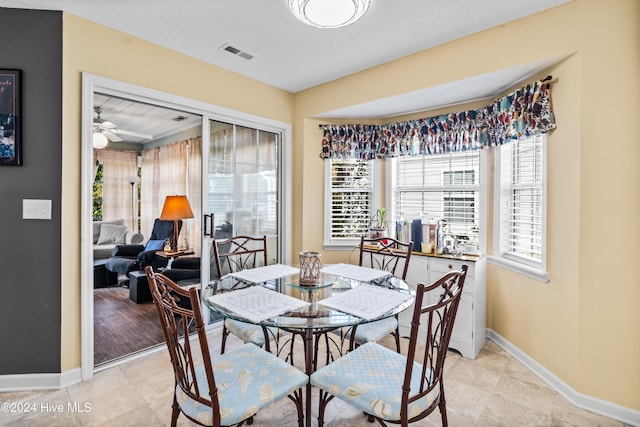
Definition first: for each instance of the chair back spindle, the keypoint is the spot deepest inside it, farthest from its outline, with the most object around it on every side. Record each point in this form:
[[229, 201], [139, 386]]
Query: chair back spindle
[[385, 253], [239, 253]]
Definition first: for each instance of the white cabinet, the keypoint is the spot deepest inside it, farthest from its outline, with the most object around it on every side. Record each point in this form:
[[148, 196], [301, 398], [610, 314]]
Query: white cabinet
[[469, 330]]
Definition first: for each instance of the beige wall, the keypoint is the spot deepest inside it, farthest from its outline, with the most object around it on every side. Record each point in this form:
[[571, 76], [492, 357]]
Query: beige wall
[[584, 325], [101, 51]]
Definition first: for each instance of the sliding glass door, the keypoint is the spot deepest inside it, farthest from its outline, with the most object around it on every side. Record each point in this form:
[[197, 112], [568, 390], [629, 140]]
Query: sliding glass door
[[244, 185]]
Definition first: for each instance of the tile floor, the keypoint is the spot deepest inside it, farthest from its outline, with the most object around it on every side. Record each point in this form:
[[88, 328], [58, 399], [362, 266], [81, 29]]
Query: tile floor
[[492, 390]]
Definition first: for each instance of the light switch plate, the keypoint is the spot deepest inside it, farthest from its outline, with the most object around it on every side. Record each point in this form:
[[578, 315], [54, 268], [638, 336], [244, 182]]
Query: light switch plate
[[36, 209]]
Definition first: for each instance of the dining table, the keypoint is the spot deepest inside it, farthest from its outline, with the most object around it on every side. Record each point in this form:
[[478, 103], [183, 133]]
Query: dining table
[[343, 296]]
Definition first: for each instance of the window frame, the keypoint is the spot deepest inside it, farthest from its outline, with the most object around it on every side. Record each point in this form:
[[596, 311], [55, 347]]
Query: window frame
[[501, 256], [481, 189], [329, 243]]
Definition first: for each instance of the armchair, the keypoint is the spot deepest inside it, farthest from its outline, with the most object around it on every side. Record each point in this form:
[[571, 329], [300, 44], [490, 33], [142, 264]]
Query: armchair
[[126, 258]]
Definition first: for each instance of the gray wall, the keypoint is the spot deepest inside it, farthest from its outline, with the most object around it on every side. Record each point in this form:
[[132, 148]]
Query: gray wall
[[30, 281]]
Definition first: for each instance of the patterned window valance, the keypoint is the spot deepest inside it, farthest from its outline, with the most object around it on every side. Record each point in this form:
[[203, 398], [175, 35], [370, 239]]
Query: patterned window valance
[[525, 112]]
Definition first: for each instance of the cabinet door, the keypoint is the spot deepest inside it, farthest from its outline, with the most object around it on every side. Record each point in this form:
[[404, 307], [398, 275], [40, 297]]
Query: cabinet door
[[462, 335], [417, 272]]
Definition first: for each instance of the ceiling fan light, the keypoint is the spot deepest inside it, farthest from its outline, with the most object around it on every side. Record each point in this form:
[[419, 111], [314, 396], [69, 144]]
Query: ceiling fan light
[[329, 13], [99, 140]]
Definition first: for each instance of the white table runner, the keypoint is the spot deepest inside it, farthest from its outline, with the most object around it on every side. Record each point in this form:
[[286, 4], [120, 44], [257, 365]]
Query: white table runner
[[257, 303], [366, 301], [263, 274], [365, 274]]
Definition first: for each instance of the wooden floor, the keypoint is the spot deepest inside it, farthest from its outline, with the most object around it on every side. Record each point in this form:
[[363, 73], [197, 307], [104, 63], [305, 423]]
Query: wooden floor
[[122, 327]]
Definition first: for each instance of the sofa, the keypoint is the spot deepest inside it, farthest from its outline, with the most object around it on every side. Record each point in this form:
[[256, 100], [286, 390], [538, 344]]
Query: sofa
[[108, 234]]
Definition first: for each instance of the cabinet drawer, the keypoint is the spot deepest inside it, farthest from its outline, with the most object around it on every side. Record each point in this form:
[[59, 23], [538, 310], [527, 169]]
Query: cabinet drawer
[[469, 282], [446, 265]]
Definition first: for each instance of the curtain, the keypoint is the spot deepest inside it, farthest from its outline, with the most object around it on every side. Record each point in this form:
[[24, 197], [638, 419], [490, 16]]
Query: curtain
[[169, 170], [119, 169], [523, 113], [193, 226]]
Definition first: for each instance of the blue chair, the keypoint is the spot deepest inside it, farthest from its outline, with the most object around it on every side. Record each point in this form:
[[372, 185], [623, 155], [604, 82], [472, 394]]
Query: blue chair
[[126, 258], [229, 389], [391, 387]]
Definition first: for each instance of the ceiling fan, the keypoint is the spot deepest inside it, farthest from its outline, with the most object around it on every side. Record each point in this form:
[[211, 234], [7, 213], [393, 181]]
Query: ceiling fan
[[110, 131]]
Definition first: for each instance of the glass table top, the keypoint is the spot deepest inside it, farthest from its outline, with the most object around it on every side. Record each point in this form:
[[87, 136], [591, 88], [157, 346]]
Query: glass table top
[[312, 314]]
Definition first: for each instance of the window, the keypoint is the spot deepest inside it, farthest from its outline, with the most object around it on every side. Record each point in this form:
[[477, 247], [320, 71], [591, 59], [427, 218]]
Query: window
[[521, 203], [440, 187], [349, 201], [243, 180]]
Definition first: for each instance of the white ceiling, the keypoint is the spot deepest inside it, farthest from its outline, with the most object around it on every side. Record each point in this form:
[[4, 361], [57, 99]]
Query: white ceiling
[[287, 53], [293, 56]]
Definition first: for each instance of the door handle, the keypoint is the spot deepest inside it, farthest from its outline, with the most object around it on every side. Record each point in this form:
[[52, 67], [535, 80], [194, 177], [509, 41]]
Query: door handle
[[208, 220]]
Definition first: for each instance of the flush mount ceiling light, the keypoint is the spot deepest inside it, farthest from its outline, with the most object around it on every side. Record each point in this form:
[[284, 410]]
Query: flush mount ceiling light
[[329, 13]]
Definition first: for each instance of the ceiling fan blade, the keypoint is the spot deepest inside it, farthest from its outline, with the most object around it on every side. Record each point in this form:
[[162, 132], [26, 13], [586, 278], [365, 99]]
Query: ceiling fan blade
[[130, 133], [111, 136], [107, 124]]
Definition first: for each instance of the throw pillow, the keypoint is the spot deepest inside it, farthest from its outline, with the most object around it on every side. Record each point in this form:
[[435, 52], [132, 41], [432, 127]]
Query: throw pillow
[[110, 234], [154, 245], [98, 224]]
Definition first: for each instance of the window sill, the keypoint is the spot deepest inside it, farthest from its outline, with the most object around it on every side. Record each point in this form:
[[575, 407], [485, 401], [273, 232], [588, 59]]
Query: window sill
[[340, 246], [525, 270]]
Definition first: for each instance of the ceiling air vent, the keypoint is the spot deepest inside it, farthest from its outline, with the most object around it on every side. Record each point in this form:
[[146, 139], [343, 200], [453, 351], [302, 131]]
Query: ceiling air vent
[[234, 50]]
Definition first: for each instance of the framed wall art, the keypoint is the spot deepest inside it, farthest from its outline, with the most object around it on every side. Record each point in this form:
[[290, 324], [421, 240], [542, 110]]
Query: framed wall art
[[10, 117]]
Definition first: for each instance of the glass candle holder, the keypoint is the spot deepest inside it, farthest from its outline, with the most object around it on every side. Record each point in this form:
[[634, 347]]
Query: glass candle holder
[[310, 265]]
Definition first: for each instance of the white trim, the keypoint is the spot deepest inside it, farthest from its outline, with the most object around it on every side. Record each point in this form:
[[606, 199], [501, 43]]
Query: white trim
[[30, 382], [520, 268], [592, 404], [92, 83]]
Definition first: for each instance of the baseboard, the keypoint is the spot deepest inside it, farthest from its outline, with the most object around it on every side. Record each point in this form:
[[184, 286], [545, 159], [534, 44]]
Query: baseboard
[[599, 406], [22, 382]]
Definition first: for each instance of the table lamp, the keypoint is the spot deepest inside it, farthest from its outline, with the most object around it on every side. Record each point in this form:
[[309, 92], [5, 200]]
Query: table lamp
[[176, 208]]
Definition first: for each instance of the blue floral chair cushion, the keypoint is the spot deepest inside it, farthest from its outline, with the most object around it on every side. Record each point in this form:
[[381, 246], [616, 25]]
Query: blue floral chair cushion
[[248, 379], [250, 333], [374, 331], [370, 378]]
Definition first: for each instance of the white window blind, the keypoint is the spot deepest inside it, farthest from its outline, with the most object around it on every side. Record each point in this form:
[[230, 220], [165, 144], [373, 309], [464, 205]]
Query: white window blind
[[522, 197], [442, 187], [349, 201]]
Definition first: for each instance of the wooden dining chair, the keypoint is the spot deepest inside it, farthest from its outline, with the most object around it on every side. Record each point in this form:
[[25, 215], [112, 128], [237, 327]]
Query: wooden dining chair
[[235, 254], [390, 387], [229, 389], [383, 254]]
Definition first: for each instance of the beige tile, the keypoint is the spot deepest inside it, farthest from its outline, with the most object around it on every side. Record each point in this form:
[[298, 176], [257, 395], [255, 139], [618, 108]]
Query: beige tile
[[139, 417], [474, 374], [516, 369], [526, 393], [464, 399], [564, 414], [500, 411]]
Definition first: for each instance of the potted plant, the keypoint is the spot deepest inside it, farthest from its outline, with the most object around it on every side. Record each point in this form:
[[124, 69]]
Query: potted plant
[[378, 224]]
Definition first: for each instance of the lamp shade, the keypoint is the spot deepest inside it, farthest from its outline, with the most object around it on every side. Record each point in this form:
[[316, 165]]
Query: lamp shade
[[176, 207], [329, 13]]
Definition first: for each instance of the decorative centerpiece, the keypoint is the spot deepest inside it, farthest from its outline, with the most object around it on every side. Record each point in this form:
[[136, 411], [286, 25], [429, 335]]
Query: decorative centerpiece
[[310, 265]]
